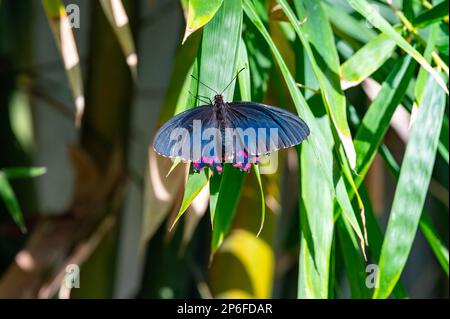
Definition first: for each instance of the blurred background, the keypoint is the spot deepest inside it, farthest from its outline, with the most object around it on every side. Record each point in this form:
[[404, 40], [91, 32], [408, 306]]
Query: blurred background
[[104, 202]]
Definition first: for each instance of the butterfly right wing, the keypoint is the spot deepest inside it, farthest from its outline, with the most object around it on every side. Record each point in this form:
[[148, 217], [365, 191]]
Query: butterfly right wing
[[289, 128]]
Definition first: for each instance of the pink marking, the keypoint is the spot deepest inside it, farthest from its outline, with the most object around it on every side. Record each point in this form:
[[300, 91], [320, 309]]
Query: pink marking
[[238, 164], [239, 153], [216, 159], [210, 161], [247, 166], [204, 159], [219, 168], [196, 164]]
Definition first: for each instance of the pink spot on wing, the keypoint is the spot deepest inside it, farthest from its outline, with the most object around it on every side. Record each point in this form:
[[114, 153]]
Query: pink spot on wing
[[238, 165]]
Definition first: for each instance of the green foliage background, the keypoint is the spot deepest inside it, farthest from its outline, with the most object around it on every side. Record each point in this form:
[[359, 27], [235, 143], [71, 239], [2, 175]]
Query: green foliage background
[[311, 229]]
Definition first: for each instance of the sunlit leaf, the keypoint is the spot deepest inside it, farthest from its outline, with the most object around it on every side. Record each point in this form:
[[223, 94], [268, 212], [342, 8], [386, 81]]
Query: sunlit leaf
[[200, 12], [435, 14], [11, 203], [23, 172], [374, 17], [65, 40], [411, 189], [366, 61], [118, 19], [315, 33]]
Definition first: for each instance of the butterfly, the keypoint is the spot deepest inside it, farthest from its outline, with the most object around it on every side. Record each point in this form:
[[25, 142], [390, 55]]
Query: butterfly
[[237, 132]]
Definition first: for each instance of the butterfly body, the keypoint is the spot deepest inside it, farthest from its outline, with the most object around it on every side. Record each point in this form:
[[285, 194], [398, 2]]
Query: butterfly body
[[237, 133]]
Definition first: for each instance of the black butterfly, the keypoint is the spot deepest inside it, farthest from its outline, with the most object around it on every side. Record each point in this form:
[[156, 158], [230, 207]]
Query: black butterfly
[[239, 132]]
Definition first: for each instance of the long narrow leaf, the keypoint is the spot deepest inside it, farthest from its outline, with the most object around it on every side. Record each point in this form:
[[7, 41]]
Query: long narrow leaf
[[366, 61], [411, 190], [65, 40], [314, 34], [118, 19], [11, 203], [373, 16]]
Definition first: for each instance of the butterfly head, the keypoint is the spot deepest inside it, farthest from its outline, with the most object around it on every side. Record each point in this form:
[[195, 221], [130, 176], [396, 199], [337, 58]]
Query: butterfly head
[[218, 99]]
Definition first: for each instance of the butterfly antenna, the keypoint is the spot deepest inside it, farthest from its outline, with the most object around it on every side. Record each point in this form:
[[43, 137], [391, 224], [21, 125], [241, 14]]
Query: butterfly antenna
[[201, 98], [204, 84], [235, 77]]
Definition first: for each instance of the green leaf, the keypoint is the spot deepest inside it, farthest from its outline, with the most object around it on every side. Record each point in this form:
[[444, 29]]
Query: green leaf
[[315, 138], [366, 61], [220, 47], [436, 244], [263, 202], [347, 209], [228, 194], [348, 26], [377, 118], [200, 12], [194, 186], [118, 19], [10, 200], [435, 14], [425, 224], [415, 174], [318, 152], [373, 16], [245, 91], [23, 172], [354, 264], [316, 219], [314, 34], [65, 40]]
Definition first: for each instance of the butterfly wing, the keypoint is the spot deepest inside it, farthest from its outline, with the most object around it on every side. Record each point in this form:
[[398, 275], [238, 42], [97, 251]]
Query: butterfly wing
[[291, 130], [175, 139]]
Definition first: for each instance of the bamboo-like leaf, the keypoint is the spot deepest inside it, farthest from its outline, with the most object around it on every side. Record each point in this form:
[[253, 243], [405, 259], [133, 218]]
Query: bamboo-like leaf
[[366, 61], [118, 19], [315, 33], [11, 203], [316, 213], [245, 91], [194, 186], [319, 155], [423, 75], [349, 27], [377, 118], [354, 264], [425, 224], [436, 244], [218, 65], [373, 16], [316, 140], [65, 40], [435, 14], [411, 189], [200, 12], [228, 194], [347, 209], [23, 172]]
